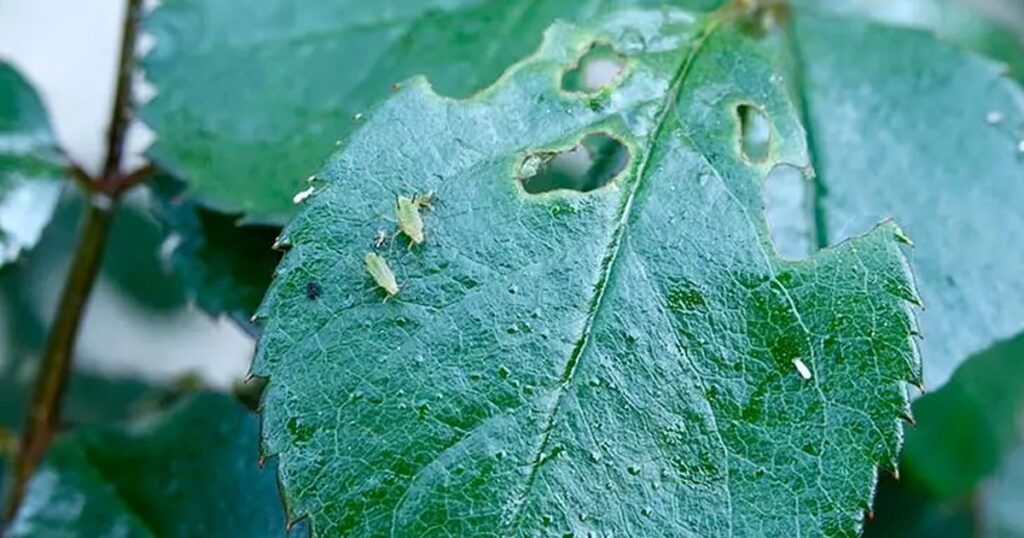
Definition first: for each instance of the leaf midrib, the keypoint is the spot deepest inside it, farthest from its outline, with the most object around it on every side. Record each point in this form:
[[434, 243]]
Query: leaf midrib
[[609, 261]]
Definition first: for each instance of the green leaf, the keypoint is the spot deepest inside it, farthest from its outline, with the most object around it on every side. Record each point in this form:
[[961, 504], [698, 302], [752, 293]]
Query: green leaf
[[190, 473], [904, 509], [226, 266], [1002, 498], [907, 127], [958, 463], [625, 361], [31, 166], [954, 20], [252, 97], [966, 428]]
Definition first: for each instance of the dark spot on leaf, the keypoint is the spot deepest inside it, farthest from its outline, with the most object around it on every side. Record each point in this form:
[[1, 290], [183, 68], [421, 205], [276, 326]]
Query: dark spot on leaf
[[592, 164], [600, 67], [300, 433], [755, 133], [312, 291]]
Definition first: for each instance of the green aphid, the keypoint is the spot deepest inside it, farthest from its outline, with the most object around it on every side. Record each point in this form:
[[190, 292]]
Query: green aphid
[[381, 273], [409, 221]]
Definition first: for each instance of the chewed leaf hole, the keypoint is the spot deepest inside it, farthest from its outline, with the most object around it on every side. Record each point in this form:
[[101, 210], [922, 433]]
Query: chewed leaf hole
[[592, 164], [755, 133], [600, 67]]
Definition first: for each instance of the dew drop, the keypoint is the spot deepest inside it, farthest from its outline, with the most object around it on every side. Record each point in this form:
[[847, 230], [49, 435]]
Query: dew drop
[[633, 469], [994, 117], [647, 511], [503, 372]]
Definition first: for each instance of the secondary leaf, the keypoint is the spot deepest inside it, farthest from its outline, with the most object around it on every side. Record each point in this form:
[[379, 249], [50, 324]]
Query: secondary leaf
[[966, 429], [31, 166], [225, 266], [617, 358], [953, 20], [907, 127], [191, 473], [1002, 498], [252, 96]]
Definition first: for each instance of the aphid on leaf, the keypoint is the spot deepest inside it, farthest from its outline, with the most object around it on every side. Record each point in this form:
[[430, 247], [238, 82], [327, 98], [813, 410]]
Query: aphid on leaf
[[409, 221], [381, 273], [802, 369], [381, 239], [312, 291], [424, 201]]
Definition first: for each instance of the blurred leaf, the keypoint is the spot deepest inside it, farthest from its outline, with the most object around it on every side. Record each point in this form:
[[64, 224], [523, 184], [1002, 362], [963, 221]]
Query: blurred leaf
[[31, 166], [131, 261], [965, 429], [225, 265], [28, 291], [252, 95], [902, 509], [954, 20], [1002, 499], [190, 473]]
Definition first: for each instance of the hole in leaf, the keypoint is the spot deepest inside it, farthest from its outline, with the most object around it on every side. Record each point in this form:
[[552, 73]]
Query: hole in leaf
[[598, 68], [592, 164], [788, 211], [755, 133]]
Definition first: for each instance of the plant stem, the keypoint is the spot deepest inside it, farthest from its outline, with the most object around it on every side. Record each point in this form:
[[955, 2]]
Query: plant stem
[[104, 193], [124, 102], [44, 409]]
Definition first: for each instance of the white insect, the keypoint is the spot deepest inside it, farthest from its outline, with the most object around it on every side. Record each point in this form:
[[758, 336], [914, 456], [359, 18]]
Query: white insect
[[302, 195], [802, 369]]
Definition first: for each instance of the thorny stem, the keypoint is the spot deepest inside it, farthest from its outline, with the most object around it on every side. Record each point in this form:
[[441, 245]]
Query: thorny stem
[[104, 193]]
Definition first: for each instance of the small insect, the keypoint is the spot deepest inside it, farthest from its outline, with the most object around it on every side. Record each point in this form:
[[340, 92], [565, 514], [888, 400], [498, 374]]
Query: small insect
[[424, 201], [312, 291], [302, 195], [802, 369], [381, 239], [409, 221], [381, 273]]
